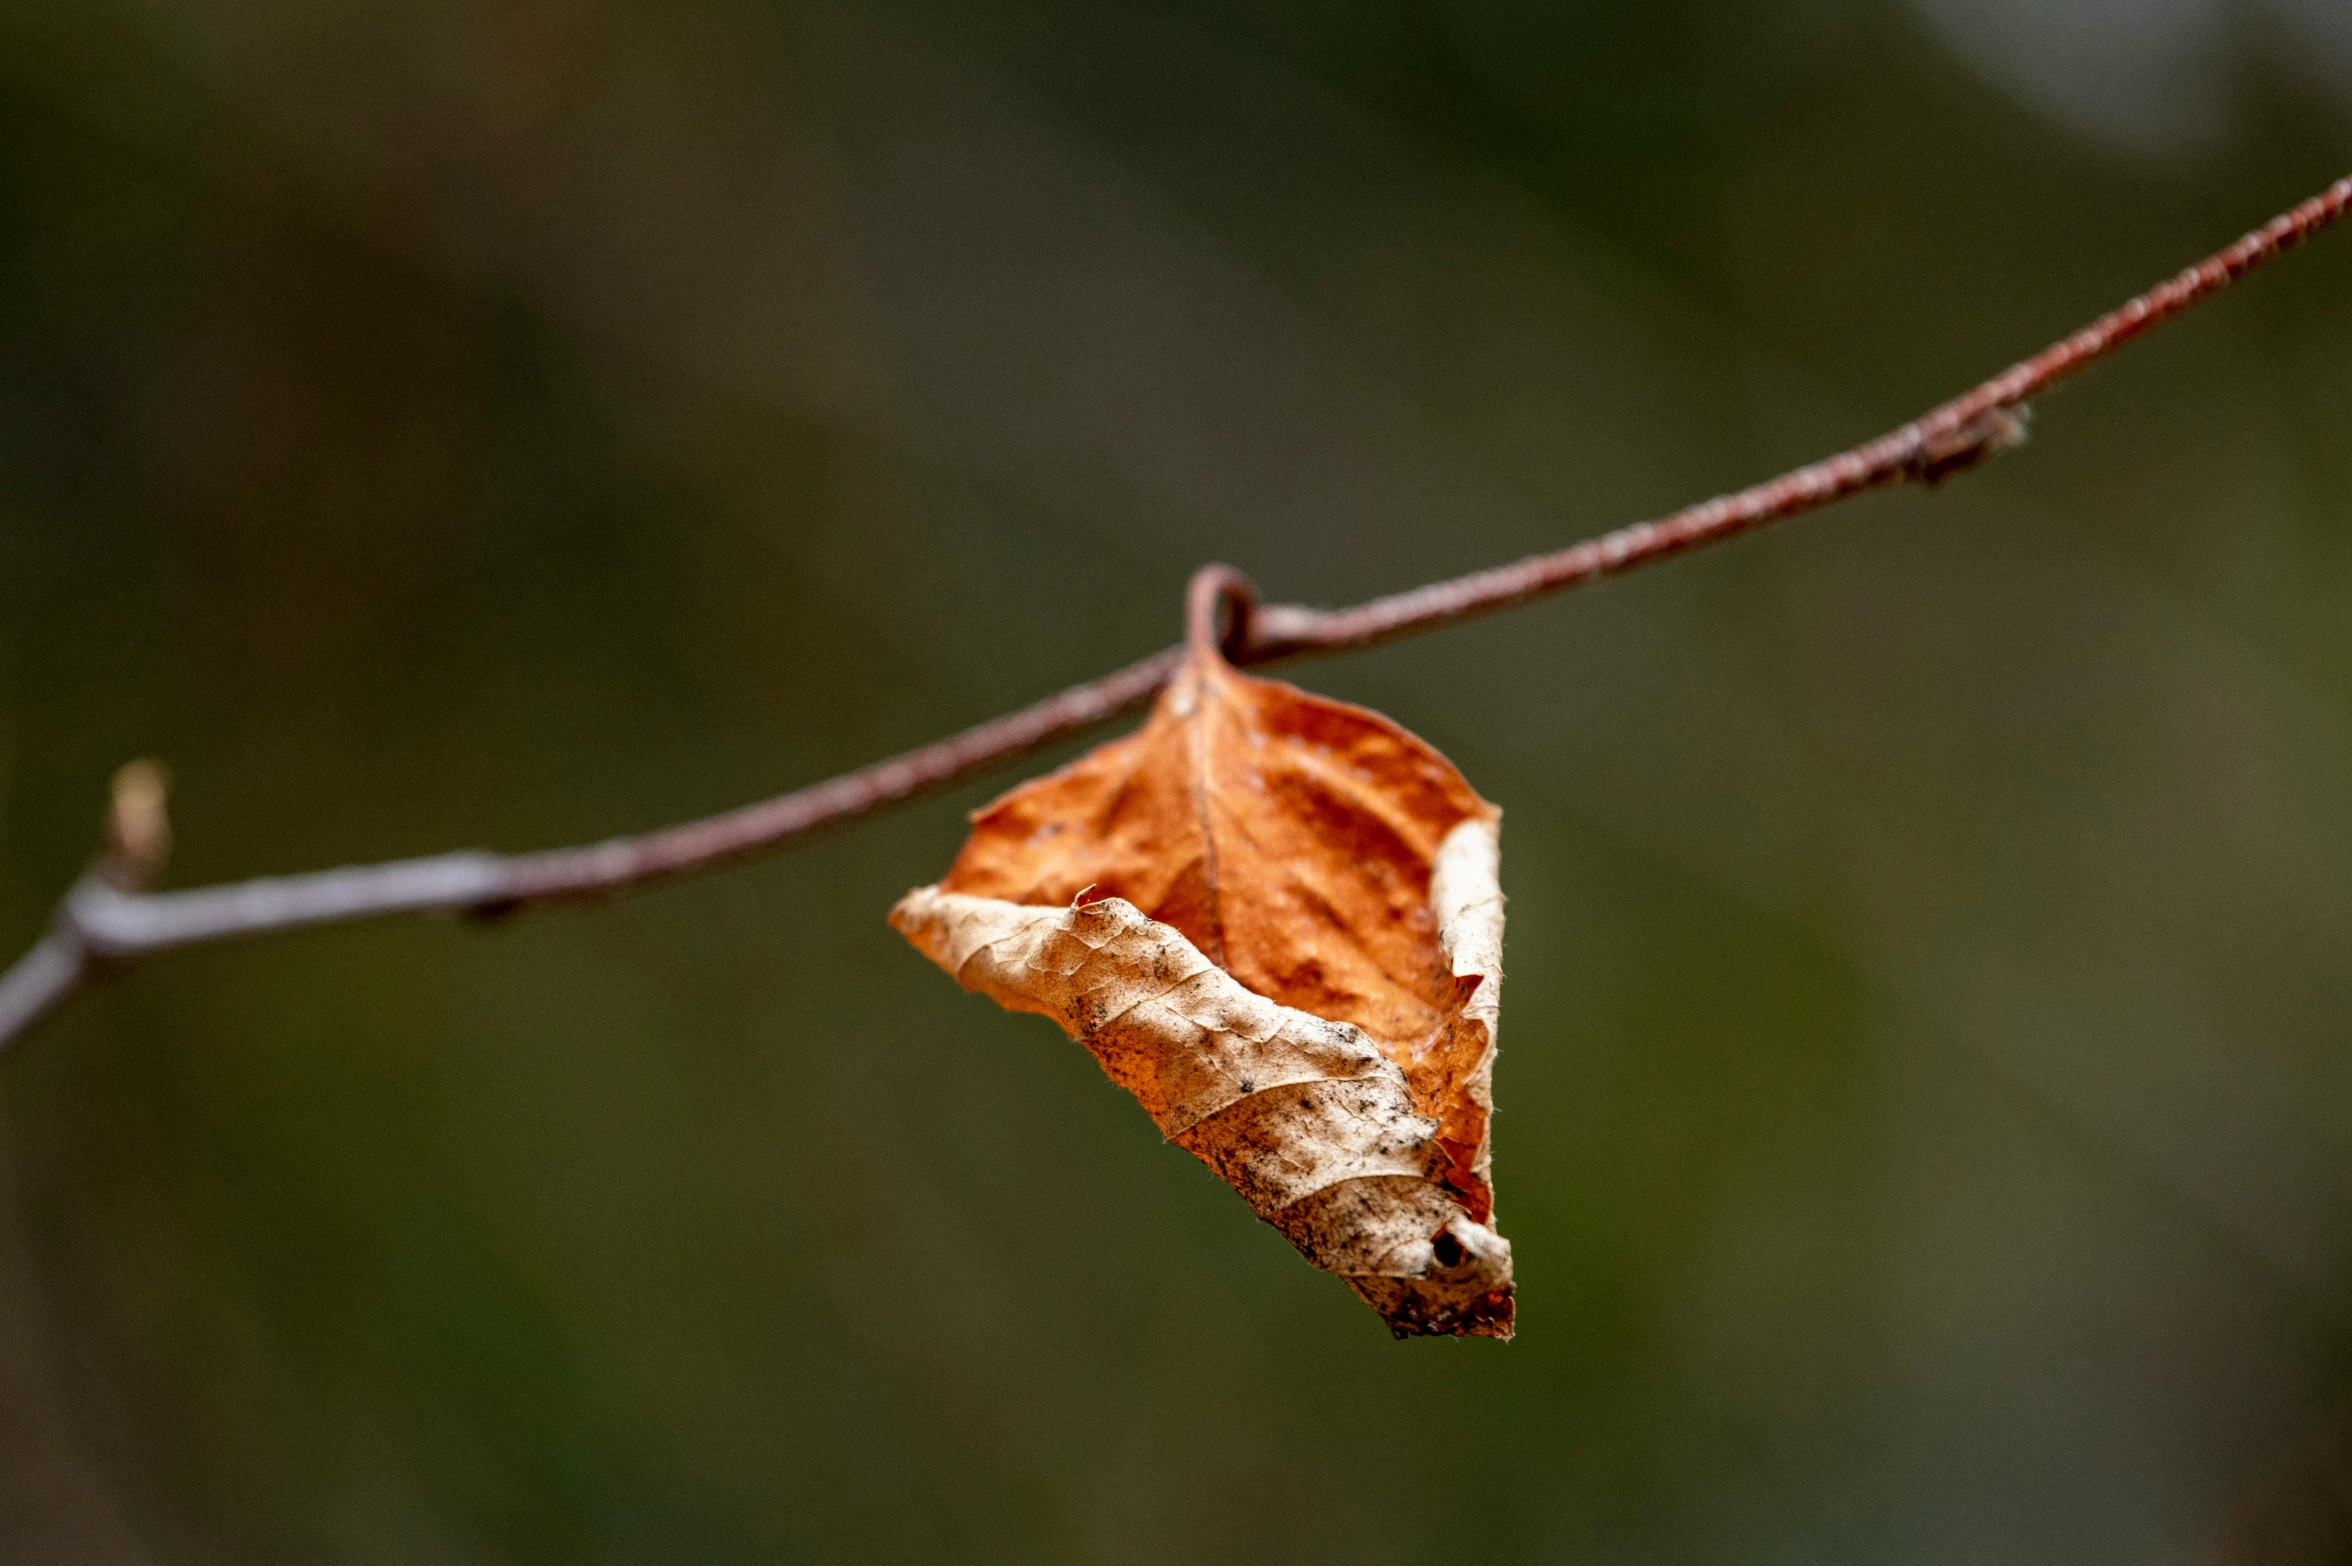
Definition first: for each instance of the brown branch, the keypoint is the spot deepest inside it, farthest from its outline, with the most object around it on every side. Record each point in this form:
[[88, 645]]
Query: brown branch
[[108, 918]]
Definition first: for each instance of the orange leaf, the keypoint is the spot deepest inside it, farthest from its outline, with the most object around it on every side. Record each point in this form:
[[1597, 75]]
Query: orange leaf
[[1274, 919]]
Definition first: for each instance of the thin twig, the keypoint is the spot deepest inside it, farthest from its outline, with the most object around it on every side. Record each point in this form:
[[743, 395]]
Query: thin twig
[[42, 980], [108, 918]]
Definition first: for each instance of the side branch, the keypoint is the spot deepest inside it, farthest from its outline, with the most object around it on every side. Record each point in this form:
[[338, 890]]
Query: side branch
[[109, 918]]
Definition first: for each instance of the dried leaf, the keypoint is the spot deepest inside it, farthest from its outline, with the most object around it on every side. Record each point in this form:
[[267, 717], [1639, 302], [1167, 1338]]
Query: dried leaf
[[1274, 919]]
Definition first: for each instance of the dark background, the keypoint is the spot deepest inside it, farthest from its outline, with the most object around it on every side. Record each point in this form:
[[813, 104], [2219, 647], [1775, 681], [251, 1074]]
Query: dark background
[[1927, 1116]]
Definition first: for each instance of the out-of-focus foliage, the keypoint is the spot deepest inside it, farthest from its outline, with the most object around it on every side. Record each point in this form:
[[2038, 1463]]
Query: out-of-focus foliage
[[1928, 1113]]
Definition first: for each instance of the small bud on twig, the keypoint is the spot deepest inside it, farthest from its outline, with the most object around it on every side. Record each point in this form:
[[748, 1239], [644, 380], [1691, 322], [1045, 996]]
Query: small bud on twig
[[1993, 431], [138, 828]]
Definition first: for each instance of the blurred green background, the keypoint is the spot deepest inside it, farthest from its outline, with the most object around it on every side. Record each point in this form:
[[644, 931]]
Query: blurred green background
[[1927, 1115]]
